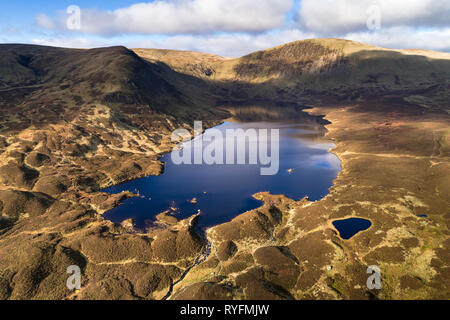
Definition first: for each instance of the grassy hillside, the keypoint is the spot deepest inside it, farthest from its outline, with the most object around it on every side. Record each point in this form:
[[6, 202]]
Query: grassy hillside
[[45, 83]]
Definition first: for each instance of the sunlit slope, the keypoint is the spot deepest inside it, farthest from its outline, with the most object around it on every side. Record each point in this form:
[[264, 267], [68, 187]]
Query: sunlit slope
[[302, 58]]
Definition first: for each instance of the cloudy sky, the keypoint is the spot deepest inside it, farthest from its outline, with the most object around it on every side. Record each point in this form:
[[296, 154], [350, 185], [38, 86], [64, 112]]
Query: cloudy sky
[[226, 27]]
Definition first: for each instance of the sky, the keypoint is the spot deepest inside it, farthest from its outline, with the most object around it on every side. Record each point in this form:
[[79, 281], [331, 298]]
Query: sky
[[229, 28]]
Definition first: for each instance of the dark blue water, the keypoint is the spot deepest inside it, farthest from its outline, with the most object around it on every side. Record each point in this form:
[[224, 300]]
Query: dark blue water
[[349, 227], [225, 191]]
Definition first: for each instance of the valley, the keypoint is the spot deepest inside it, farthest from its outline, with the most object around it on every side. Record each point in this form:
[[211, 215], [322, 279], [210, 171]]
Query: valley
[[74, 122]]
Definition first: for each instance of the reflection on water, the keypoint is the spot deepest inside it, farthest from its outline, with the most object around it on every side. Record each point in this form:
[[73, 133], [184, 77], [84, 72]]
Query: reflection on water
[[306, 168]]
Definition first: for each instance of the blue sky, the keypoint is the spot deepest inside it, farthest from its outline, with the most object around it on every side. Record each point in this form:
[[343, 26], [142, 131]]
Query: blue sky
[[22, 14], [227, 27]]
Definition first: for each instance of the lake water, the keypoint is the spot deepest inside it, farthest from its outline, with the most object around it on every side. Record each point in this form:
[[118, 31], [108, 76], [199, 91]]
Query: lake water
[[349, 227], [223, 191]]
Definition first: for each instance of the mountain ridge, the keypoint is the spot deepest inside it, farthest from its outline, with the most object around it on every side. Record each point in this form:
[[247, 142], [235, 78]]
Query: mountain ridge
[[334, 67]]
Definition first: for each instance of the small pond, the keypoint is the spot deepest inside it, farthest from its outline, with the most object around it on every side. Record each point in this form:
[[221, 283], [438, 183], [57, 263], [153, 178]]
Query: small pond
[[349, 227]]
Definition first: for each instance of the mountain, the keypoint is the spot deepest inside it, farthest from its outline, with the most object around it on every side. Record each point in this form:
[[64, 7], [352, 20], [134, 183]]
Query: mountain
[[339, 69], [53, 81]]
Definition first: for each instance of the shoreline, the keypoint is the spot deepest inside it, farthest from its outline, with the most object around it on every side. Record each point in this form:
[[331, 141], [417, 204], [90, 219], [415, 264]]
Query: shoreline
[[234, 120]]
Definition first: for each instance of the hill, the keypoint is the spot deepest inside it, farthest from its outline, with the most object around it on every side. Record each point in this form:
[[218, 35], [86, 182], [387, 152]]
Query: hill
[[53, 81]]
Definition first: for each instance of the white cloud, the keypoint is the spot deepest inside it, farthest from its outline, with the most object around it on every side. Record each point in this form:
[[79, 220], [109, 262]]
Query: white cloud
[[43, 21], [237, 27], [405, 38], [181, 17], [236, 45], [81, 43], [338, 17], [229, 45]]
